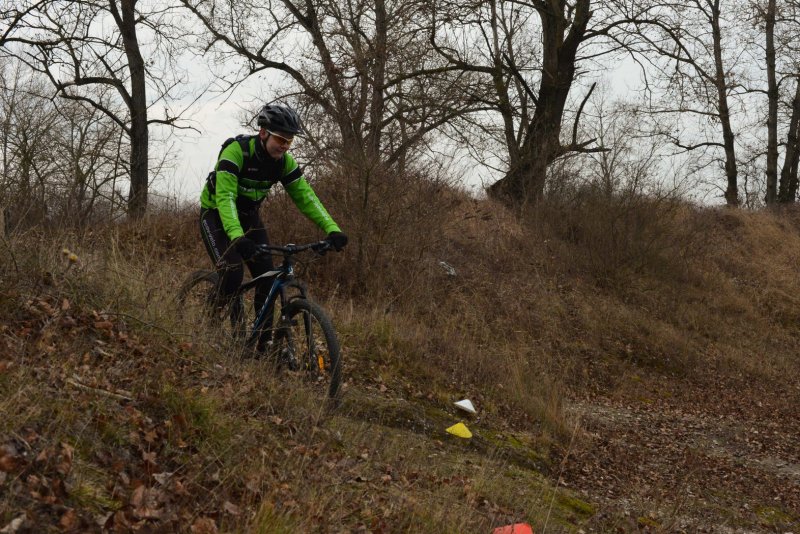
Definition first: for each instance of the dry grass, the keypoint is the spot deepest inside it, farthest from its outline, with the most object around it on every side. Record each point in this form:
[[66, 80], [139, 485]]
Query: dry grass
[[572, 303]]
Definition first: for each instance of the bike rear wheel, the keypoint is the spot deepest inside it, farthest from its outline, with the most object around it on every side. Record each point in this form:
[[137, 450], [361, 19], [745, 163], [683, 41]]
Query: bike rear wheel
[[200, 302], [307, 333]]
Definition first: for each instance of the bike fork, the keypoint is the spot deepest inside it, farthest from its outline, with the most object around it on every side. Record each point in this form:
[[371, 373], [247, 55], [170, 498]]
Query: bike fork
[[263, 326]]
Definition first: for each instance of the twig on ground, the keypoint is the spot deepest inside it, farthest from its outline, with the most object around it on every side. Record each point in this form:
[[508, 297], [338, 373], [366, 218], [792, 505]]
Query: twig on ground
[[114, 395]]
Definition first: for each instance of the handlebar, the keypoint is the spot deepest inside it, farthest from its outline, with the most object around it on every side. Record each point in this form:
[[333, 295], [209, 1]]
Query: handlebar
[[320, 247]]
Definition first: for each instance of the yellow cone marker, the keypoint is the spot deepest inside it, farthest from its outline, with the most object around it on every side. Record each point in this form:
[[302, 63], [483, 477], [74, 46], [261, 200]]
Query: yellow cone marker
[[460, 430]]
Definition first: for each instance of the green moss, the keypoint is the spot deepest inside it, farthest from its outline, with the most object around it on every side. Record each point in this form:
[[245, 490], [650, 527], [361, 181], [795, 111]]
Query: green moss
[[88, 496], [518, 447], [645, 521], [773, 516], [576, 506], [419, 417]]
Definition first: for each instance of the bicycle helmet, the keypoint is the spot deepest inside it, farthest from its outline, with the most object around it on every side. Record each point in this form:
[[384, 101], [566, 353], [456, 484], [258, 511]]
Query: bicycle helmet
[[280, 119]]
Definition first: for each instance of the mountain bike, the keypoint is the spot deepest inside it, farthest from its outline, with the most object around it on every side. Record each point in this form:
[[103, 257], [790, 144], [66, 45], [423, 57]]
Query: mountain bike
[[303, 338]]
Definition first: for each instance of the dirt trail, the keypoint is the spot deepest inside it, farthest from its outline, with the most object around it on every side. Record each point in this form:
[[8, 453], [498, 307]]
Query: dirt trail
[[722, 457]]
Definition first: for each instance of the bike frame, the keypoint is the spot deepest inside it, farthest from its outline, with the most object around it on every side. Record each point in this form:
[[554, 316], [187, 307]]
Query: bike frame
[[284, 279]]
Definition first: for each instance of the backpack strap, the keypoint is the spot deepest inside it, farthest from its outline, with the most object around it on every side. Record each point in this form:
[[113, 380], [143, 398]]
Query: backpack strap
[[244, 143]]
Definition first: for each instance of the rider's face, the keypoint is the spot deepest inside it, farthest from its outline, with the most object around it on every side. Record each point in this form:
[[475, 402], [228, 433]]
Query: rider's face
[[275, 143]]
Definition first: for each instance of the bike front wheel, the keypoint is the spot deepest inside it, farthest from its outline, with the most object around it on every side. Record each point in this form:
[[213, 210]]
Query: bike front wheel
[[199, 302], [307, 335]]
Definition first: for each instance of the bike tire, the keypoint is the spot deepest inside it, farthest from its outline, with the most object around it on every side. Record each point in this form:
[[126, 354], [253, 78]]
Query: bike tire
[[197, 300], [315, 345]]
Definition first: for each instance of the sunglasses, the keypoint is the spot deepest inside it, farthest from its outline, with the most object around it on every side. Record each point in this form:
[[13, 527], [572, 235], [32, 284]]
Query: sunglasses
[[285, 141]]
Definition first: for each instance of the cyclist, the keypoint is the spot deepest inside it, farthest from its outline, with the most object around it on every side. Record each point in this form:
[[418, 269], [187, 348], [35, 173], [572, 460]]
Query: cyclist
[[247, 167]]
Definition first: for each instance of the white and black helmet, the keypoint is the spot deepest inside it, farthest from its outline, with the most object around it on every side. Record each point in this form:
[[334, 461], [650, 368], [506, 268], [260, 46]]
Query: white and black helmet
[[280, 119]]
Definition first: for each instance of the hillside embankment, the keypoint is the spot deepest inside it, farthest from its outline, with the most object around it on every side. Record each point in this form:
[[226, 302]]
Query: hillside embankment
[[634, 363]]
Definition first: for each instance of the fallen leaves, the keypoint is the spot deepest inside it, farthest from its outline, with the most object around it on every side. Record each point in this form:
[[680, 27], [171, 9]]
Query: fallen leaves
[[148, 503], [69, 520], [204, 525], [231, 508], [10, 457], [14, 525], [687, 454], [103, 325], [44, 475], [64, 459]]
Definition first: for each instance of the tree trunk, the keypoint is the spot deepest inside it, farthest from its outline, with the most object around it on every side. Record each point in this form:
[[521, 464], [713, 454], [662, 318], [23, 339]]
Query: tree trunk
[[772, 111], [731, 172], [525, 181], [788, 189], [377, 79], [137, 104]]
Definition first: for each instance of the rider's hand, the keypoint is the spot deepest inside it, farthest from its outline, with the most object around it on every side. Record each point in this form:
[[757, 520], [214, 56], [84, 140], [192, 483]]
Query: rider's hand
[[246, 247], [338, 240]]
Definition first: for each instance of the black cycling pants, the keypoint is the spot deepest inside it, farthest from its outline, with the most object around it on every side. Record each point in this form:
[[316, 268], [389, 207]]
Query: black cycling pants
[[228, 261]]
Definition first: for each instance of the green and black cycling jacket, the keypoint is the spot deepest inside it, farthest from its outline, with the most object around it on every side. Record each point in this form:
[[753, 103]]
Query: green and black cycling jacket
[[241, 181]]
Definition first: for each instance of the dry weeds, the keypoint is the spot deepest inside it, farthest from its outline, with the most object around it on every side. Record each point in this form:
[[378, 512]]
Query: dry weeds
[[635, 368]]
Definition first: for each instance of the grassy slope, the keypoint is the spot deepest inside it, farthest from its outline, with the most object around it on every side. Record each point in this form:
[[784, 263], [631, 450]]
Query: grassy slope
[[117, 414]]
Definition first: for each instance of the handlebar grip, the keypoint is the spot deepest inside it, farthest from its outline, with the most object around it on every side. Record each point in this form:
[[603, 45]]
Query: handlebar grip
[[262, 250], [322, 247]]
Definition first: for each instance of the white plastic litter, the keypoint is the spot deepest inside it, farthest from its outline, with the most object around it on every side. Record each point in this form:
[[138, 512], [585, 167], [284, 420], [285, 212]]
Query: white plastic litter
[[449, 269], [466, 405]]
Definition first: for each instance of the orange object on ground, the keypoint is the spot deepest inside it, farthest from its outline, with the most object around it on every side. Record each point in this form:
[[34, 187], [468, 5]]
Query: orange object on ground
[[516, 528]]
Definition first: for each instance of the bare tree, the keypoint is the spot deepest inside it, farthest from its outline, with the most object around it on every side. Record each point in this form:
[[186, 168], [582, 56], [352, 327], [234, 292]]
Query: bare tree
[[785, 68], [89, 169], [361, 69], [789, 172], [13, 16], [65, 177], [629, 164], [363, 64], [698, 59], [65, 40], [772, 30], [534, 52], [26, 165], [768, 15]]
